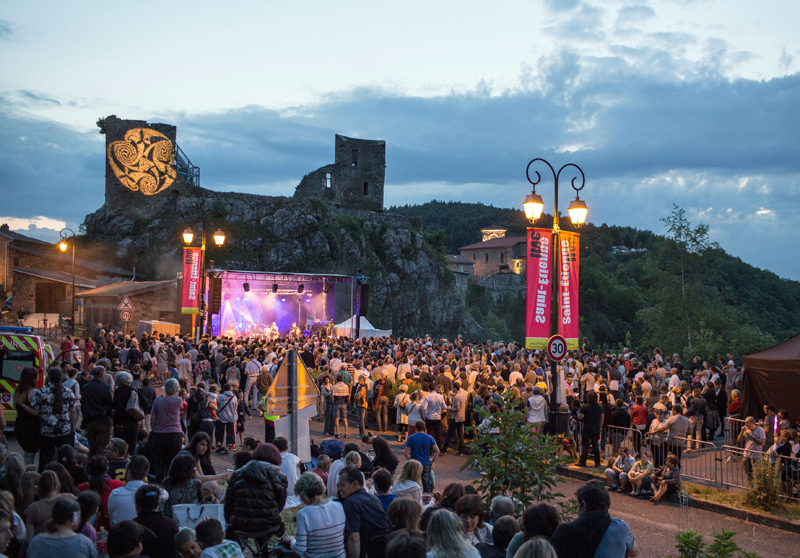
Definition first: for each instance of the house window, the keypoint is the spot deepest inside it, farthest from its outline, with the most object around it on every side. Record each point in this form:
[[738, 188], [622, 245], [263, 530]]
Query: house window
[[473, 257], [502, 258], [518, 264], [366, 188], [355, 157], [327, 180], [486, 257]]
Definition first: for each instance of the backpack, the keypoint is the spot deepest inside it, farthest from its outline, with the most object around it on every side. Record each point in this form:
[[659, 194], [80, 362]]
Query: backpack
[[134, 407]]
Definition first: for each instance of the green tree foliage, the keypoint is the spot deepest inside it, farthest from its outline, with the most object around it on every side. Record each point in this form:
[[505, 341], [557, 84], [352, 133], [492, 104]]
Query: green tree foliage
[[517, 463], [679, 292], [690, 544]]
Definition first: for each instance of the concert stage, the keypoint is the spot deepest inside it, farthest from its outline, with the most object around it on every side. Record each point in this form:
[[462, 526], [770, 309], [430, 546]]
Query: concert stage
[[247, 303]]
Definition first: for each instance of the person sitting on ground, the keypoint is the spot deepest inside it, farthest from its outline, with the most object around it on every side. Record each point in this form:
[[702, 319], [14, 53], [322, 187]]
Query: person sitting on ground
[[125, 540], [61, 540], [639, 475], [503, 530], [241, 458], [594, 532], [160, 531], [39, 512], [116, 452], [180, 483], [257, 493], [445, 539], [66, 456], [470, 510], [187, 545], [384, 456], [89, 503], [365, 518], [290, 464], [501, 506], [540, 520], [537, 547], [403, 516], [322, 468], [122, 501], [617, 474], [212, 539], [453, 492], [382, 480], [320, 524], [667, 481], [409, 483], [405, 544]]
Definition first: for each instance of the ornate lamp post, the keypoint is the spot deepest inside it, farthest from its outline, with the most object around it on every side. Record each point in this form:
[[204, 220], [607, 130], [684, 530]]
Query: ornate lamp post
[[219, 240], [66, 234], [533, 206]]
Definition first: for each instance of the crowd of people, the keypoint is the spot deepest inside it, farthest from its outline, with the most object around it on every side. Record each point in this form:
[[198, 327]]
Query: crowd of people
[[110, 450]]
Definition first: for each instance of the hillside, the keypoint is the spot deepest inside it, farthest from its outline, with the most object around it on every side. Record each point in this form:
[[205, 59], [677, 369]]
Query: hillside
[[636, 299]]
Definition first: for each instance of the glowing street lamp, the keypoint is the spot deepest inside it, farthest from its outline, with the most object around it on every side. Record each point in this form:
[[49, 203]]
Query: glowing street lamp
[[219, 238], [188, 236], [66, 234]]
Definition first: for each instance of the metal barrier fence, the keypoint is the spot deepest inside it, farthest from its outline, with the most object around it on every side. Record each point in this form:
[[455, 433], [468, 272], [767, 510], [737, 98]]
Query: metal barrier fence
[[703, 462], [733, 425]]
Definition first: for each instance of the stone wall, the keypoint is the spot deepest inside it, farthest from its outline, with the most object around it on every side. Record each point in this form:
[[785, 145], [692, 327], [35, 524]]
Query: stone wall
[[161, 304], [500, 283]]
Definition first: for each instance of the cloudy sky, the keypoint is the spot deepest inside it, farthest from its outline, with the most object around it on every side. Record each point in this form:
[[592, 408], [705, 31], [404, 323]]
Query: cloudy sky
[[674, 101]]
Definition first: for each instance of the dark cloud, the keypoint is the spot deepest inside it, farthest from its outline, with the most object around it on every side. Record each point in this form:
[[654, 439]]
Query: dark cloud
[[645, 134]]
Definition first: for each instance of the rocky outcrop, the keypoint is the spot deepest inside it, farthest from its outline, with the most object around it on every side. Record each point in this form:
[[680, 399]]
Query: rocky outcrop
[[411, 289]]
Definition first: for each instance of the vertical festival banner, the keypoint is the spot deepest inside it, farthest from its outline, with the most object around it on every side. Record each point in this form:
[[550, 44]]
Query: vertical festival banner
[[568, 267], [192, 281], [539, 287]]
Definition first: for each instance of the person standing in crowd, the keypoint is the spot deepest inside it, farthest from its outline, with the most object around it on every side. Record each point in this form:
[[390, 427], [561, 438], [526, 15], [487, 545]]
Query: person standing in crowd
[[755, 440], [594, 532], [591, 414], [227, 414], [400, 401], [432, 408], [167, 434], [26, 427], [125, 426], [422, 447], [57, 416], [341, 397], [97, 404], [458, 416]]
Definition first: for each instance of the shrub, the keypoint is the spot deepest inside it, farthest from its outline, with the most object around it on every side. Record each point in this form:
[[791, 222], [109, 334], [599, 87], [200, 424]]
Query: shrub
[[765, 488]]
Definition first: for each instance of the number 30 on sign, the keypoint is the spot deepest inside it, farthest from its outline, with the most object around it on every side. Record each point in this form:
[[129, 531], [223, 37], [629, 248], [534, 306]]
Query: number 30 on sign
[[556, 348]]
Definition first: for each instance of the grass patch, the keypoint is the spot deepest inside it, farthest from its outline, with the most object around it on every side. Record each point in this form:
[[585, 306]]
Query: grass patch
[[783, 510]]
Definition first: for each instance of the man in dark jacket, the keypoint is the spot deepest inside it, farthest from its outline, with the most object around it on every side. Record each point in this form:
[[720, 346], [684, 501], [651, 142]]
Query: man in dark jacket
[[364, 515], [257, 493], [96, 405], [591, 414]]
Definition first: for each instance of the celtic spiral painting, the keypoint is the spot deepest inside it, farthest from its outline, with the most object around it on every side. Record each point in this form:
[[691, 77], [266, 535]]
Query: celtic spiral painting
[[143, 161]]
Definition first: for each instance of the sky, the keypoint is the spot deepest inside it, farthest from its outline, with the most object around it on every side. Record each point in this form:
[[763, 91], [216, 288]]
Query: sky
[[687, 102]]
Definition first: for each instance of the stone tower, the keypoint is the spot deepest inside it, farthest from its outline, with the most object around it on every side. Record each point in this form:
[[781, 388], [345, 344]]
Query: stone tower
[[354, 181], [141, 166]]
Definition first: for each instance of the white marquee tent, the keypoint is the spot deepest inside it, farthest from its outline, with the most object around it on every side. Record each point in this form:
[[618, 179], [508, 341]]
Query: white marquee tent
[[367, 329]]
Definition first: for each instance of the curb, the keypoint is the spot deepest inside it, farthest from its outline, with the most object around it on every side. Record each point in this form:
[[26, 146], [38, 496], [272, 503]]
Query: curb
[[707, 505]]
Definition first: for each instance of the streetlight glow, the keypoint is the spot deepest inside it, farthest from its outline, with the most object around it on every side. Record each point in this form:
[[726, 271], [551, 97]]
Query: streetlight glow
[[188, 236], [62, 246], [219, 237], [533, 205], [577, 212]]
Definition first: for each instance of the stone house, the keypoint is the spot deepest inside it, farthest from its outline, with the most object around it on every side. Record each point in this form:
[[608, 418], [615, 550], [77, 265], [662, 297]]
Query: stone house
[[462, 267], [496, 253], [152, 300]]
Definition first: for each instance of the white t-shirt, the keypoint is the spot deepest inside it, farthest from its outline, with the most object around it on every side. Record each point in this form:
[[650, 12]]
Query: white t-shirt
[[290, 466]]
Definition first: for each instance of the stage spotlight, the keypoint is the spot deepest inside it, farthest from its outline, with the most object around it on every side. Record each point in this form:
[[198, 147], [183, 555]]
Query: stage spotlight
[[301, 288], [274, 287], [283, 300], [246, 287]]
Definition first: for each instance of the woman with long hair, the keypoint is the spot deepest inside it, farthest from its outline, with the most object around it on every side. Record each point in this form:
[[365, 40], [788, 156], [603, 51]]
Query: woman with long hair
[[384, 456], [102, 484], [444, 537], [452, 493], [180, 483], [26, 428], [200, 448], [537, 547], [11, 479], [61, 540], [38, 513], [67, 484], [409, 483], [57, 416], [89, 503]]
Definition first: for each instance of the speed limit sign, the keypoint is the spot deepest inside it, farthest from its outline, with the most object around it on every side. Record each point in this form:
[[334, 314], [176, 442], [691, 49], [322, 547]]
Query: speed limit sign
[[125, 315], [557, 348]]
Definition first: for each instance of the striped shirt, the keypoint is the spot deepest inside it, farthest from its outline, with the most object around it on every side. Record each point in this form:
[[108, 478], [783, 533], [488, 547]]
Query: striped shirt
[[320, 531]]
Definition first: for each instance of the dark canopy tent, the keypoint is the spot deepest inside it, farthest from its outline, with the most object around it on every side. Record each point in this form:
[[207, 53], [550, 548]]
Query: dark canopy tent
[[773, 376]]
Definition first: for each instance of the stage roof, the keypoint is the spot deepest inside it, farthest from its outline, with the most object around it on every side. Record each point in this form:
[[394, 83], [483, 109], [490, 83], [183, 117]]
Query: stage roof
[[285, 277]]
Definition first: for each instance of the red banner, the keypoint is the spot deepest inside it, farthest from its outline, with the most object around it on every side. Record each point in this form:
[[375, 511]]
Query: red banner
[[192, 281], [539, 283], [568, 267]]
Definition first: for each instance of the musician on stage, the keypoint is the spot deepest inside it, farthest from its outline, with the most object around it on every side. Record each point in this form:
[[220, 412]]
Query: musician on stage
[[295, 332], [273, 331]]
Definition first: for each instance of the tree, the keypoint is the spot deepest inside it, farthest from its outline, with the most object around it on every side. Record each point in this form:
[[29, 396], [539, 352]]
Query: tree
[[690, 241], [516, 462]]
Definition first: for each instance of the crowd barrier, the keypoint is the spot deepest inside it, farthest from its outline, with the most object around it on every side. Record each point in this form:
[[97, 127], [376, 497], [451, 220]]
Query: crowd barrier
[[703, 462]]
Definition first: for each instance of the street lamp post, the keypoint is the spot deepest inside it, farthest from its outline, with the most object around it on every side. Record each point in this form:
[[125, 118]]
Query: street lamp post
[[65, 234], [533, 206], [219, 240]]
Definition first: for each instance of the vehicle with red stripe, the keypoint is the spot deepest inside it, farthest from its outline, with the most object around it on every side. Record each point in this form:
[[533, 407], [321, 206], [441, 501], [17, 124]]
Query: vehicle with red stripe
[[19, 348]]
